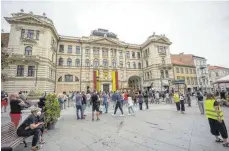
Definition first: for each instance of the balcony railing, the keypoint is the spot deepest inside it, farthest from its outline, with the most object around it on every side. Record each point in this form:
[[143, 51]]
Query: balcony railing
[[164, 66], [203, 66]]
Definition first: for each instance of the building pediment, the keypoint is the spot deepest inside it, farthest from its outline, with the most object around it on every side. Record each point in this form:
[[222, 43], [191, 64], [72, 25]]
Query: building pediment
[[26, 19], [163, 40], [105, 41]]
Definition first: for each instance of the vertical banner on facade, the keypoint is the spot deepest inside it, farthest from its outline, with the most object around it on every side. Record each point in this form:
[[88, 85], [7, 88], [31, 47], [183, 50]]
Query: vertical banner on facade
[[94, 80], [98, 81], [113, 81], [116, 79]]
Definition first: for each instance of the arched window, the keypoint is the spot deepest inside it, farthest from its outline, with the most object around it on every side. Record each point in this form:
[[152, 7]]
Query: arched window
[[60, 79], [69, 62], [87, 63], [139, 65], [77, 62], [76, 79], [28, 51], [105, 63], [61, 61], [128, 64], [113, 63], [134, 65], [96, 62]]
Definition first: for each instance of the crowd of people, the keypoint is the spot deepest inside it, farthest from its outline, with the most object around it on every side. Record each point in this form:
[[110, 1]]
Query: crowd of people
[[98, 102]]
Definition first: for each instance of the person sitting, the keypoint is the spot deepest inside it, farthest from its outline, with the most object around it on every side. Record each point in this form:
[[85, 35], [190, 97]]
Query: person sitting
[[32, 126]]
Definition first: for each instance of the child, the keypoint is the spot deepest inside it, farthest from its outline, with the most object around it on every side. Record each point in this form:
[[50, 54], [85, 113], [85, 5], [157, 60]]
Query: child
[[130, 104]]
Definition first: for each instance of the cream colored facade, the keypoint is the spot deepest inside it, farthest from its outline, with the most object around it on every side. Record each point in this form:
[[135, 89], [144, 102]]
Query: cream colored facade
[[67, 63]]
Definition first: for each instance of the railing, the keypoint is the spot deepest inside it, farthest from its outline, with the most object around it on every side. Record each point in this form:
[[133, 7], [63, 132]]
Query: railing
[[164, 66]]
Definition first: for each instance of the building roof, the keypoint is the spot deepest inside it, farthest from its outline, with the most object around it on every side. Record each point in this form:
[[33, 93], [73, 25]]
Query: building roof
[[216, 67], [5, 39], [181, 59]]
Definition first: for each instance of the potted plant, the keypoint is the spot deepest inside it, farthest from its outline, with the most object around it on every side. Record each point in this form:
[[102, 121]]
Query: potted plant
[[52, 111]]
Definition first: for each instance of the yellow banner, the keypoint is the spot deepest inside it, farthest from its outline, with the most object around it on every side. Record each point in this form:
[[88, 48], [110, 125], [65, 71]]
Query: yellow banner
[[113, 81]]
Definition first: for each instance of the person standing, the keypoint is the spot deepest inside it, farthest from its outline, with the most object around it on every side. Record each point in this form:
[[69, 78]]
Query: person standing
[[215, 118], [105, 101], [95, 105], [177, 100], [130, 104], [151, 96], [79, 99], [200, 99], [167, 98], [140, 100], [88, 99], [157, 98], [182, 103], [189, 98], [118, 103], [84, 103], [146, 96]]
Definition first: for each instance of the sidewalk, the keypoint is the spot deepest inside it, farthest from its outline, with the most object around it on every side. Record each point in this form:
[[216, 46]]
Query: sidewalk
[[159, 129]]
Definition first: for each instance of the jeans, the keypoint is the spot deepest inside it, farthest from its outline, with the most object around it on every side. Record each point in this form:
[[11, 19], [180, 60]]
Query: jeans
[[79, 108], [106, 106], [178, 106], [37, 133], [182, 105], [146, 102], [130, 107], [201, 106], [84, 106], [140, 106], [118, 105]]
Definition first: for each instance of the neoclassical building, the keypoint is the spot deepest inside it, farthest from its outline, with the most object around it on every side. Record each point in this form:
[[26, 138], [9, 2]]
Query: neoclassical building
[[42, 58]]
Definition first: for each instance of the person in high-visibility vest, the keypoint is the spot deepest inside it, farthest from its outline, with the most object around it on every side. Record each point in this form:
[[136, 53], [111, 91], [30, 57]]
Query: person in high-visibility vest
[[216, 119], [177, 100]]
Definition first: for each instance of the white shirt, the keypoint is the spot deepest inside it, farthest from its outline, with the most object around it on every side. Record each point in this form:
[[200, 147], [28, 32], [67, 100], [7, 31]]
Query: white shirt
[[181, 98], [130, 101]]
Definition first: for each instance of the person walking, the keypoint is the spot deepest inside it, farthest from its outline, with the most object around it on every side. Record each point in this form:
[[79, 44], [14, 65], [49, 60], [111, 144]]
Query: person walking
[[146, 96], [118, 104], [151, 96], [95, 105], [84, 103], [78, 98], [130, 104], [215, 118], [105, 101], [189, 99], [200, 99], [182, 103], [140, 100], [157, 98], [177, 100]]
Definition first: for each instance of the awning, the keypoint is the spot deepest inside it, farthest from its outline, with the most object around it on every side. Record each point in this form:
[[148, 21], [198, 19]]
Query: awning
[[222, 80]]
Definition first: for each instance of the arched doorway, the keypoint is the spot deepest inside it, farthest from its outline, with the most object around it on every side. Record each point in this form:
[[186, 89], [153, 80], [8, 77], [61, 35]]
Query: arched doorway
[[134, 82]]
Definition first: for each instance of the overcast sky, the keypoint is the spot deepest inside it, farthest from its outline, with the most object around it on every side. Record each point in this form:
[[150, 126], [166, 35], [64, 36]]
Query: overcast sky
[[199, 28]]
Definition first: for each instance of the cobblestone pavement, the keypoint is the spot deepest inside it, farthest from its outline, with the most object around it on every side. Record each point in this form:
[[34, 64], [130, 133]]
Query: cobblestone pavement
[[160, 128]]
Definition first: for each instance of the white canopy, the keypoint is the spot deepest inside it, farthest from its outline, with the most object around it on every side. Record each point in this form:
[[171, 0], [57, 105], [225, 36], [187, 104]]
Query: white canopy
[[223, 80]]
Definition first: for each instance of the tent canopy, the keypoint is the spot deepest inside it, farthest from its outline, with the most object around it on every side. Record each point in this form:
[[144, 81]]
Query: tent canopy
[[222, 80]]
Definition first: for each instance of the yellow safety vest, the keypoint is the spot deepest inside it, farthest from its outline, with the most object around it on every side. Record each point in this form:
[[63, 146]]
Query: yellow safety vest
[[210, 110], [176, 97]]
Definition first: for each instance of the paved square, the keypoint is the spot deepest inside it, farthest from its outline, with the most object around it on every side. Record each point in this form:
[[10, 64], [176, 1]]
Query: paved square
[[159, 129]]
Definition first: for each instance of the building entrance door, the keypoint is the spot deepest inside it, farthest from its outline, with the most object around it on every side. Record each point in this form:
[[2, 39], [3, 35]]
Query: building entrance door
[[106, 88]]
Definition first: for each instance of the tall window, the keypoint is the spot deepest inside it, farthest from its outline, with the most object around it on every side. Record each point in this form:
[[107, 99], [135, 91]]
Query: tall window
[[133, 54], [194, 71], [105, 52], [147, 64], [121, 64], [28, 51], [177, 70], [68, 78], [96, 62], [69, 62], [113, 52], [128, 54], [87, 63], [22, 33], [128, 64], [188, 80], [186, 70], [105, 63], [61, 62], [20, 70], [134, 65], [162, 74], [139, 65], [77, 49], [138, 54], [167, 73], [87, 51], [30, 34], [120, 54], [69, 49], [190, 70], [113, 63], [61, 48], [96, 51], [77, 62], [37, 34], [31, 71], [181, 70]]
